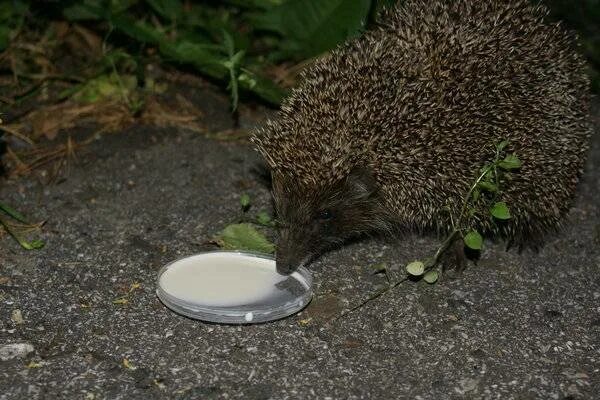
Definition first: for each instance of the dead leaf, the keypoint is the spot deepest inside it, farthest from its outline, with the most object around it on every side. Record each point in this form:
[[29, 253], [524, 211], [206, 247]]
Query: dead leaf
[[93, 41], [127, 364], [33, 364], [61, 28]]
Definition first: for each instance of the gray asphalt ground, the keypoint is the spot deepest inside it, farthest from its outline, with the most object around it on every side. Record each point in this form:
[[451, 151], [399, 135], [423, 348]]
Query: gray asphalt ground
[[514, 326]]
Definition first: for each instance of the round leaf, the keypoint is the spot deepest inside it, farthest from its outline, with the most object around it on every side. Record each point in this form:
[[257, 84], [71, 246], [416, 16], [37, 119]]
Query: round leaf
[[431, 276], [245, 201], [415, 268], [473, 240], [500, 210], [263, 218]]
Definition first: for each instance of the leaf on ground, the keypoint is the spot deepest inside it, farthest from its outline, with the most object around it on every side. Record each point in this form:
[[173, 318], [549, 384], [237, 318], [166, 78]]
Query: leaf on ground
[[134, 286], [104, 87], [500, 210], [127, 364], [415, 268], [33, 364], [264, 218], [121, 301], [13, 213], [474, 240], [431, 277], [244, 237], [379, 268], [245, 202]]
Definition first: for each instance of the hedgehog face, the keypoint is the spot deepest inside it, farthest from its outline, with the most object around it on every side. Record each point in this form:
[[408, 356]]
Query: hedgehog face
[[314, 220]]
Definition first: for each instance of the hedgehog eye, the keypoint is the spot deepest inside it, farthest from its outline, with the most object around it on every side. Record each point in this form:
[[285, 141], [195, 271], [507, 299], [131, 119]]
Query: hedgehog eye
[[325, 215]]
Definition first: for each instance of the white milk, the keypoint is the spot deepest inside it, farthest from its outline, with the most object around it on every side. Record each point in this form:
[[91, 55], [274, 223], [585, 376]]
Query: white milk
[[221, 279]]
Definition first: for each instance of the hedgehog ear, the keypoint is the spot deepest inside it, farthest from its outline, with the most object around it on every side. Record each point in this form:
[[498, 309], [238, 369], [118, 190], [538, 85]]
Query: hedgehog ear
[[361, 182]]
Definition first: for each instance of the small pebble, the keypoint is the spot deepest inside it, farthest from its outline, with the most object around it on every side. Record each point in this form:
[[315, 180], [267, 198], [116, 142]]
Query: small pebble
[[15, 350], [17, 317]]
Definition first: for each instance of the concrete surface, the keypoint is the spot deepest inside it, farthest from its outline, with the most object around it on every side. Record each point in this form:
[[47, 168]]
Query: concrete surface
[[515, 326]]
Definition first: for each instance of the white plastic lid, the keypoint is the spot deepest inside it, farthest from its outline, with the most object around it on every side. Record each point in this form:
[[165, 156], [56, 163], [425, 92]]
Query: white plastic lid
[[232, 287]]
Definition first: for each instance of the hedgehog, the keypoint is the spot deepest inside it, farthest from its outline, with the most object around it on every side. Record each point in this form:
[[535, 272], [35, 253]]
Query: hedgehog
[[388, 131]]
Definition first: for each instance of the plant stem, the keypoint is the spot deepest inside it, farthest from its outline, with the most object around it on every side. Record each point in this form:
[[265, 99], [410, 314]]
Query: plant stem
[[470, 192], [375, 296], [429, 263]]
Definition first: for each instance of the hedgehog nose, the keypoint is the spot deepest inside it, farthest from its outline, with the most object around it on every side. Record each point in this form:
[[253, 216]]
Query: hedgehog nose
[[284, 267]]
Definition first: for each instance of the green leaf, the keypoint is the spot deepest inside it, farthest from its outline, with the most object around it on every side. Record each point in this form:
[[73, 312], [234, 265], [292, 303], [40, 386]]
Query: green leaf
[[244, 237], [379, 268], [232, 64], [264, 88], [13, 213], [500, 210], [104, 87], [201, 56], [4, 37], [510, 162], [311, 27], [264, 219], [473, 240], [475, 195], [206, 57], [245, 201], [415, 268], [487, 186], [259, 4], [33, 245], [85, 10], [169, 9], [138, 30], [119, 6], [431, 277], [500, 146]]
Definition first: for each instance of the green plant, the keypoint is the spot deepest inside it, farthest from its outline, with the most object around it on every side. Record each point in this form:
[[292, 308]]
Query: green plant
[[15, 230], [484, 193]]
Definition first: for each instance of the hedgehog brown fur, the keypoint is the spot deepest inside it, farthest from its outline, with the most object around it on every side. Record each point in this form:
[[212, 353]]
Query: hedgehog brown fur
[[413, 108]]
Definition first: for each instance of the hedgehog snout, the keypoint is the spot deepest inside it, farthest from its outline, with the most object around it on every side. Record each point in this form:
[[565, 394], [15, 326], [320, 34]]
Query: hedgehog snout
[[290, 253], [286, 263], [285, 259]]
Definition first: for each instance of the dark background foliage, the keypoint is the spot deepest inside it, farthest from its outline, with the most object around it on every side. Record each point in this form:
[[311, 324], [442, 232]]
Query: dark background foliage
[[61, 56]]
